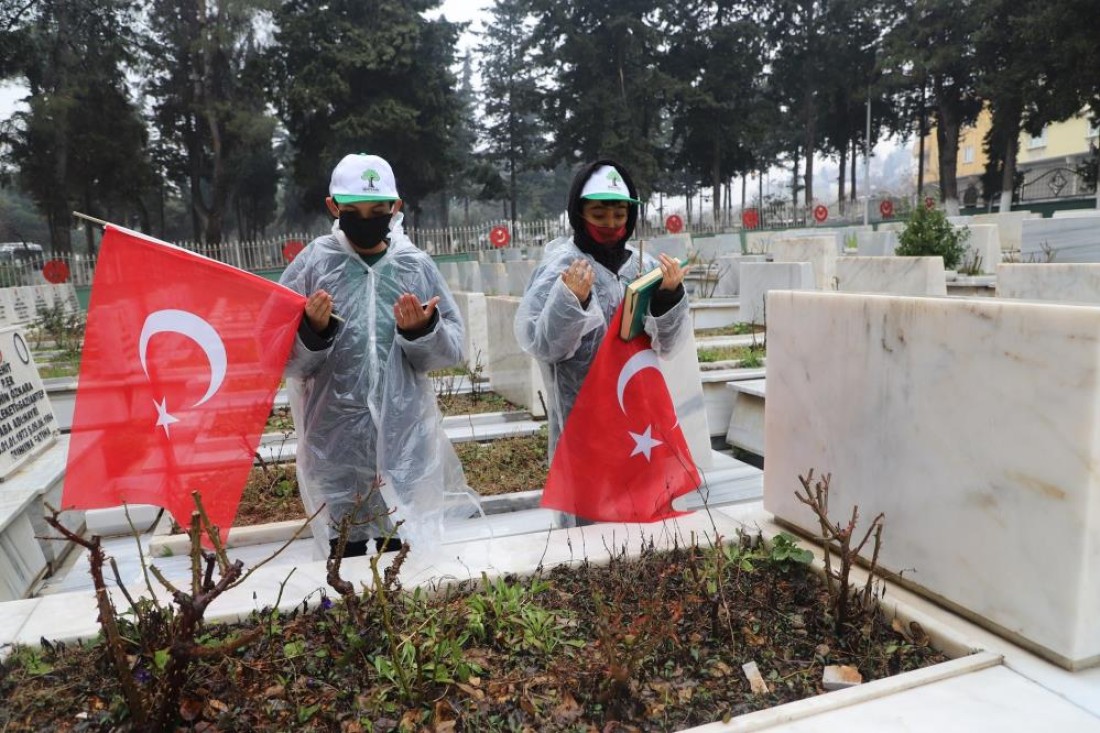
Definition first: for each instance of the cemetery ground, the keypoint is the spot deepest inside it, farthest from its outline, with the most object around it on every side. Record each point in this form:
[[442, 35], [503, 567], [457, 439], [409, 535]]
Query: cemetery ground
[[654, 642], [501, 466]]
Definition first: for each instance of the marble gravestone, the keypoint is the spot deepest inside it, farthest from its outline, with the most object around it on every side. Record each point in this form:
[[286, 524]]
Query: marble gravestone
[[729, 274], [469, 277], [1070, 283], [28, 432], [710, 249], [673, 245], [513, 374], [758, 278], [1070, 239], [475, 333], [972, 424], [892, 275], [1009, 226], [820, 251]]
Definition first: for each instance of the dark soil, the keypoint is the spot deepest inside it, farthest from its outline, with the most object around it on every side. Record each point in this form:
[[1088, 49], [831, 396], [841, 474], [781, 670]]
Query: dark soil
[[473, 403], [505, 465], [652, 644], [502, 466], [454, 403]]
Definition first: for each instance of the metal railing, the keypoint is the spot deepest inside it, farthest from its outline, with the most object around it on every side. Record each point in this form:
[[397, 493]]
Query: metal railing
[[276, 252]]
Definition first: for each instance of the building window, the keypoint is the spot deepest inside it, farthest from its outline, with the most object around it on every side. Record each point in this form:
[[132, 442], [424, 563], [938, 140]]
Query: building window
[[968, 154], [1037, 141]]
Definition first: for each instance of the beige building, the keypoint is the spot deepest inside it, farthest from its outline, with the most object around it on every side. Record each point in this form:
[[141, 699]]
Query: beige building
[[1048, 161]]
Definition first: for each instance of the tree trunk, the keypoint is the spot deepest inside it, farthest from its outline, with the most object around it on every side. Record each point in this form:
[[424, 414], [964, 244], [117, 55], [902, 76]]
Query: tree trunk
[[810, 142], [794, 179], [716, 180], [1008, 175], [947, 137], [840, 179], [855, 155]]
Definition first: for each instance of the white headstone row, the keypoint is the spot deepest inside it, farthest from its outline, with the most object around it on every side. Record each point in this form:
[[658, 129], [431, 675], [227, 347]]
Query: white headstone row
[[24, 304]]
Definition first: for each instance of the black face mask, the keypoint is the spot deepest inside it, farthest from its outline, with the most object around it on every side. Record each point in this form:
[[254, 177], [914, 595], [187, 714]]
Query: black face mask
[[364, 233]]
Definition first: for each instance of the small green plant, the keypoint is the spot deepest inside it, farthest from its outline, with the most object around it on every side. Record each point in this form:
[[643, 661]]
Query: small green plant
[[507, 615], [785, 552], [928, 233]]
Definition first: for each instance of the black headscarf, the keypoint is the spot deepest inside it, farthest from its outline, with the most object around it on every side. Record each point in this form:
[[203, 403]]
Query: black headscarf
[[611, 256]]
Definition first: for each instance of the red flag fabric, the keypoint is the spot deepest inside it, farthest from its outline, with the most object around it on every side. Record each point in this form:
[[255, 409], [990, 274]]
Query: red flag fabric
[[182, 358], [622, 456]]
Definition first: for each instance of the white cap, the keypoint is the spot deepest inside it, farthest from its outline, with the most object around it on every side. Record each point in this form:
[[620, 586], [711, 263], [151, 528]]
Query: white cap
[[361, 177], [607, 184]]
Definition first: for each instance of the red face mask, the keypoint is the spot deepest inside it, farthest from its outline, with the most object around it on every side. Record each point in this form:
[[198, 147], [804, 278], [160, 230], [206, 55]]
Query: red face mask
[[605, 235]]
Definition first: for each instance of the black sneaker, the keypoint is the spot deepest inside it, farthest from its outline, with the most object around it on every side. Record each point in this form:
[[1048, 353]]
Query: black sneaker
[[353, 548], [383, 545]]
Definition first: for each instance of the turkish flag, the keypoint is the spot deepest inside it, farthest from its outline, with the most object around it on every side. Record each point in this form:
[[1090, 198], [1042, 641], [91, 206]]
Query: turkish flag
[[182, 358], [621, 456]]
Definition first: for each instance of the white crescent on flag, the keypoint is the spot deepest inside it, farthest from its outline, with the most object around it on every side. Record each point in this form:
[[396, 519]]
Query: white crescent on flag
[[642, 360], [186, 324]]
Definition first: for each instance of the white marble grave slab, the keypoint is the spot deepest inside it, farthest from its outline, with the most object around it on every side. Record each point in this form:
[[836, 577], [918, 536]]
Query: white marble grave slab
[[449, 271], [972, 424], [673, 245], [489, 255], [519, 274], [7, 307], [821, 252], [21, 560], [22, 305], [1071, 283], [892, 275], [66, 294], [469, 277], [681, 372], [1009, 226], [1071, 213], [876, 244], [475, 318], [729, 274], [494, 278], [513, 374], [758, 278], [1072, 239], [710, 249], [28, 425], [746, 422], [984, 243]]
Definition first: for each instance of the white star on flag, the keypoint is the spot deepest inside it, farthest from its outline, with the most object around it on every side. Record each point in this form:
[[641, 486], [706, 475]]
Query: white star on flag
[[644, 443], [163, 418]]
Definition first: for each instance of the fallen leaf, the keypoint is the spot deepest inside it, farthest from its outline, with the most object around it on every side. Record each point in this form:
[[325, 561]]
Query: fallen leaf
[[190, 709], [275, 691], [351, 726], [214, 708], [477, 695], [567, 710]]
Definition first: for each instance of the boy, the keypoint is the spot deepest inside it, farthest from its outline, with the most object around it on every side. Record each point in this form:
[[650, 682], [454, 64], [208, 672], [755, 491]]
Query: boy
[[378, 317], [579, 284]]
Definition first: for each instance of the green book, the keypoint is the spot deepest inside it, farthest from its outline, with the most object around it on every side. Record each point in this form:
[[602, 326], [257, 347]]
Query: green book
[[636, 302]]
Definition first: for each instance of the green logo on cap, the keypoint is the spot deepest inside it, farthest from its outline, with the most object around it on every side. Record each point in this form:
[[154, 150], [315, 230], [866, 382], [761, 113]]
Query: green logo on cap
[[614, 179], [370, 176]]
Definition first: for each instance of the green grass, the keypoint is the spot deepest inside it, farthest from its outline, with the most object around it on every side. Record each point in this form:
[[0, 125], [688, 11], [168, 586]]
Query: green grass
[[737, 329], [749, 357], [59, 369]]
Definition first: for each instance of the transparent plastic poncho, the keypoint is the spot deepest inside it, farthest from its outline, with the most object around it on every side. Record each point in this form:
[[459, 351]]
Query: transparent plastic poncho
[[364, 408], [563, 337]]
